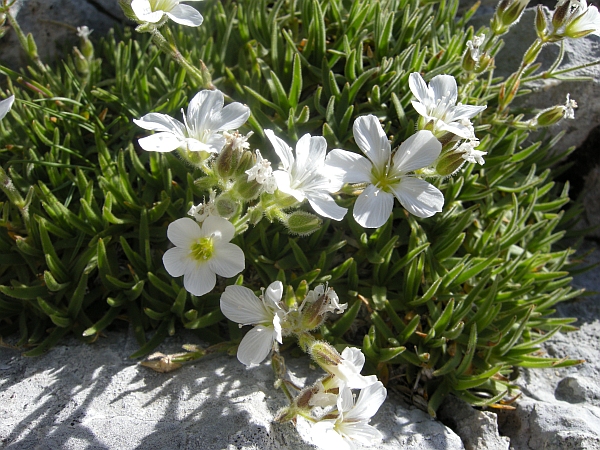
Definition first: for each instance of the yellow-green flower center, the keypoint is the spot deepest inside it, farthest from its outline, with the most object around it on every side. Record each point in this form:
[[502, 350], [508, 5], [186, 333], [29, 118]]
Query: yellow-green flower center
[[163, 5], [202, 250]]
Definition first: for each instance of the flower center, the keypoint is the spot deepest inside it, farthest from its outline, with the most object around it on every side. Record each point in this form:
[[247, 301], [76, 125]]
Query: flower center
[[163, 5], [203, 249]]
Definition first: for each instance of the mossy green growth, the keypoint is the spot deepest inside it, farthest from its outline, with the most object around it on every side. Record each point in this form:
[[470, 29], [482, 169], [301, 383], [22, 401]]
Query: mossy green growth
[[452, 303]]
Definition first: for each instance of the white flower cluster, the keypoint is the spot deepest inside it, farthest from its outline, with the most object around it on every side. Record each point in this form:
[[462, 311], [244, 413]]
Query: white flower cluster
[[341, 420], [306, 173]]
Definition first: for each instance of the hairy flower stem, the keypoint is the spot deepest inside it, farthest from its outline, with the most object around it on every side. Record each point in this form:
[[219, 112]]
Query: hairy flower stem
[[201, 75], [26, 42], [509, 89]]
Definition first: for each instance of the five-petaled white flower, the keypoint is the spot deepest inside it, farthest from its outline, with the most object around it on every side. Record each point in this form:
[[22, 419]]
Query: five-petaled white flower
[[303, 177], [351, 425], [238, 303], [386, 175], [153, 11], [203, 126], [201, 252], [436, 103], [5, 106]]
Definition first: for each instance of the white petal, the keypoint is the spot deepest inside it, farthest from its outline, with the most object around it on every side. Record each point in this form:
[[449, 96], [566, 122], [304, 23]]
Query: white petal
[[355, 356], [215, 143], [326, 206], [177, 262], [231, 117], [369, 401], [456, 128], [361, 432], [421, 109], [160, 122], [322, 434], [466, 111], [5, 106], [160, 142], [373, 207], [184, 232], [345, 401], [143, 11], [217, 226], [310, 154], [371, 139], [238, 303], [444, 86], [228, 260], [201, 109], [273, 294], [419, 197], [348, 167], [185, 15], [201, 280], [419, 88], [283, 150], [418, 151], [283, 184], [256, 345]]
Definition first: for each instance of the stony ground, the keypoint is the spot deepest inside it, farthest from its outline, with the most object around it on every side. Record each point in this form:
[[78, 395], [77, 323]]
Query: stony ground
[[78, 396]]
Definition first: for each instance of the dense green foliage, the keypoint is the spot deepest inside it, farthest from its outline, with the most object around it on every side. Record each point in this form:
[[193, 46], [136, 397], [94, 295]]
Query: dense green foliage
[[451, 303]]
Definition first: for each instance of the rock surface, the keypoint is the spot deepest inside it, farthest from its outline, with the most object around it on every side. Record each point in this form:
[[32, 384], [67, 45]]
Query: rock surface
[[79, 396], [53, 24]]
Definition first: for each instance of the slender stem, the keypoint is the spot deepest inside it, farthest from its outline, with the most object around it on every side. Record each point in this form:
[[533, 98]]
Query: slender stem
[[25, 41]]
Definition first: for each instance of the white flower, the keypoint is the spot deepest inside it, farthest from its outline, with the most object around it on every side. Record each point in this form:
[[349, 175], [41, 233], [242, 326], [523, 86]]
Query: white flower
[[347, 372], [331, 301], [262, 173], [84, 32], [580, 19], [473, 46], [237, 140], [352, 423], [203, 125], [239, 304], [387, 176], [469, 153], [152, 11], [201, 252], [5, 106], [570, 105], [201, 211], [437, 104], [303, 177]]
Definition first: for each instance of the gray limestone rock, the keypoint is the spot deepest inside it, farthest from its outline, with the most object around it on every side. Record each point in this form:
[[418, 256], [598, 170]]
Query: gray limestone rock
[[53, 24], [92, 396], [477, 429]]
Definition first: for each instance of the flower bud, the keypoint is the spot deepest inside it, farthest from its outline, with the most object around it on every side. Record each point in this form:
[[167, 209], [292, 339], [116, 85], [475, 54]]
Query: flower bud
[[87, 48], [468, 63], [540, 22], [226, 207], [247, 190], [81, 63], [550, 116], [226, 162], [563, 8], [324, 354], [303, 223], [449, 163]]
